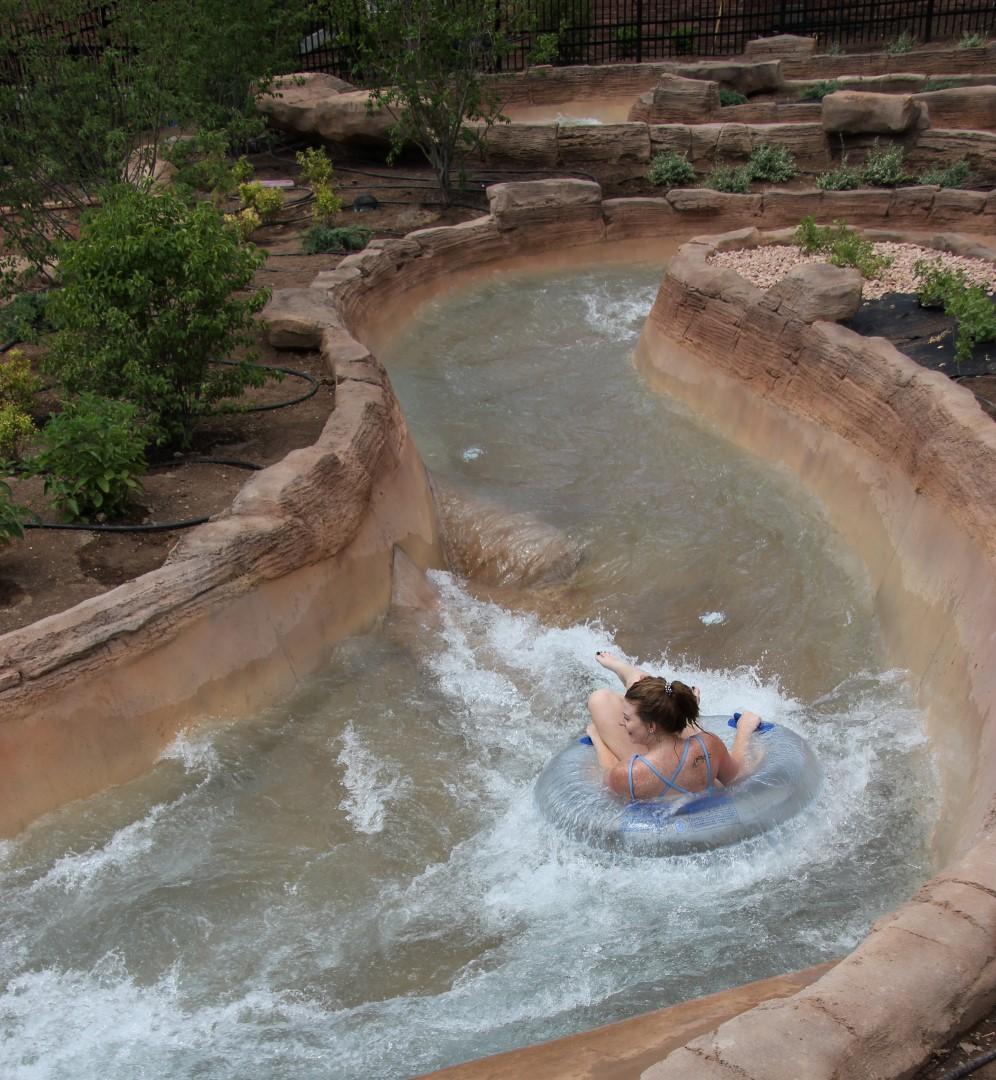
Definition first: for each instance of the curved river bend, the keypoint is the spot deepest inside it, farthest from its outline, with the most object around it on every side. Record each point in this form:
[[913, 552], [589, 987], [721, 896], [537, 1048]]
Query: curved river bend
[[357, 884]]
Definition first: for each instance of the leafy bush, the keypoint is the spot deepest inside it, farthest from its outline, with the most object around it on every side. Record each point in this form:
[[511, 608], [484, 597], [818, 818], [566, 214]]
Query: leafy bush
[[202, 164], [969, 305], [92, 455], [773, 163], [730, 179], [670, 169], [938, 84], [266, 201], [326, 205], [567, 23], [544, 50], [731, 97], [968, 40], [902, 44], [818, 91], [24, 317], [316, 166], [244, 223], [321, 240], [16, 427], [147, 303], [682, 40], [884, 166], [242, 171], [842, 246], [954, 175], [843, 178], [11, 516], [18, 383], [626, 39]]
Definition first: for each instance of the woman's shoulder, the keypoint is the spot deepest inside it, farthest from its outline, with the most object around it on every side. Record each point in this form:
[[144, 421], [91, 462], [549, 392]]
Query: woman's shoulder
[[714, 744]]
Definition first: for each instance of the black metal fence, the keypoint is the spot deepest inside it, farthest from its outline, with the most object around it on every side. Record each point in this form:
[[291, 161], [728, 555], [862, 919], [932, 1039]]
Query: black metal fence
[[612, 31]]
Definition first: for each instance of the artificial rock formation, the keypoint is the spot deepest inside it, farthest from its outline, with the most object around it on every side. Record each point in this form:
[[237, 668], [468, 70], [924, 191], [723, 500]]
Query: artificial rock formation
[[817, 291], [853, 112], [779, 47], [676, 99]]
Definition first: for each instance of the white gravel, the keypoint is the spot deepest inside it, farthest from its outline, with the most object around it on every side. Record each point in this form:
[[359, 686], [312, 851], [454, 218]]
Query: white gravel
[[764, 266]]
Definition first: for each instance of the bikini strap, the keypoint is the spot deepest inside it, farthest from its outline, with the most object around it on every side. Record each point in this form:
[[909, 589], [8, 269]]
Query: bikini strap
[[707, 759]]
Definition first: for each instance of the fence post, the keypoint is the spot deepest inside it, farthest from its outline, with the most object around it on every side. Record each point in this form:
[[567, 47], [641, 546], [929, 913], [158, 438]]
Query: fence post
[[928, 28], [639, 31]]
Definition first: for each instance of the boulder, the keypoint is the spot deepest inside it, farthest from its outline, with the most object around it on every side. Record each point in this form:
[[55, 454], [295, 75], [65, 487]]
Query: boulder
[[937, 146], [817, 291], [295, 318], [852, 112], [749, 78], [292, 102], [612, 144], [774, 48], [899, 82], [970, 107], [676, 99], [538, 202], [324, 107]]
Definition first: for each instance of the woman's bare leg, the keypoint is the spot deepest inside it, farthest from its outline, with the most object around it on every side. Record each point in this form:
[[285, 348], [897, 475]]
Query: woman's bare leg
[[606, 708]]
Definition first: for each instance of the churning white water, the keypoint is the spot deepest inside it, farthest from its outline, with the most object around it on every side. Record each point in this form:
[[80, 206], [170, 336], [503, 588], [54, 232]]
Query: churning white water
[[357, 884]]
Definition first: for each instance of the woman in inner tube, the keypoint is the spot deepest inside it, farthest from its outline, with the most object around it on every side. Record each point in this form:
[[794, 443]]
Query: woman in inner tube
[[648, 740]]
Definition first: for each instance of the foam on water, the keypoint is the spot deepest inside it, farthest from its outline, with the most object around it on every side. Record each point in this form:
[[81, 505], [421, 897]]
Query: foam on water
[[371, 783]]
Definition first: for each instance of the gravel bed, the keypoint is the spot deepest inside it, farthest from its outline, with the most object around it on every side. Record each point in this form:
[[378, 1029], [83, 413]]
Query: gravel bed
[[764, 266]]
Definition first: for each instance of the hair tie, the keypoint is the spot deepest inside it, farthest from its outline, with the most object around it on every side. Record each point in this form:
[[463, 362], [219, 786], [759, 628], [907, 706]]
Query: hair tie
[[668, 687]]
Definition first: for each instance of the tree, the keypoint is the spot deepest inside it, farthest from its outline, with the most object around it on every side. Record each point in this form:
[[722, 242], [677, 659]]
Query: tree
[[429, 61]]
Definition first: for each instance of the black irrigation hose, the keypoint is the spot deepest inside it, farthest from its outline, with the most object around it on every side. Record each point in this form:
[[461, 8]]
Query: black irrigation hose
[[238, 410], [970, 1066]]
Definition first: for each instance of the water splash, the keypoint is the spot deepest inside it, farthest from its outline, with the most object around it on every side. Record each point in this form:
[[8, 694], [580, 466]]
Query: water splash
[[371, 783]]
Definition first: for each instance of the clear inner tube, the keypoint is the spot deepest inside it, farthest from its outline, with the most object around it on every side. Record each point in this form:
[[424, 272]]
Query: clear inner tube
[[784, 778]]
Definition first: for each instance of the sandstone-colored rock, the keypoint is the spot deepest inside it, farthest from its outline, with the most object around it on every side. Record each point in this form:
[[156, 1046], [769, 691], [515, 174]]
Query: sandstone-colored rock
[[295, 318], [708, 203], [762, 76], [806, 141], [898, 82], [852, 112], [296, 100], [971, 107], [912, 202], [772, 112], [790, 207], [864, 204], [536, 202], [665, 138], [636, 218], [817, 291], [937, 146], [534, 145], [953, 207], [733, 141], [348, 120], [780, 46], [682, 101], [613, 144]]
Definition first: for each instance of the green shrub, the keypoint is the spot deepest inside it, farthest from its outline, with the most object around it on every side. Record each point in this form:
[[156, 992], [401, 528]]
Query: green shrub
[[24, 317], [842, 246], [773, 163], [544, 50], [682, 40], [884, 166], [843, 178], [563, 30], [316, 166], [626, 39], [11, 516], [902, 44], [728, 178], [670, 169], [266, 201], [202, 164], [91, 458], [242, 171], [731, 97], [321, 240], [147, 303], [244, 223], [18, 383], [968, 40], [954, 175], [969, 305], [16, 427], [938, 84], [326, 205], [818, 91]]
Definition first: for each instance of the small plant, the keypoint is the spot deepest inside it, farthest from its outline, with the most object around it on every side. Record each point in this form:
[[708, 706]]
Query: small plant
[[544, 50], [670, 169], [773, 163], [733, 180], [938, 84], [244, 223], [316, 166], [626, 39], [242, 171], [11, 516], [326, 206], [842, 246], [18, 383], [24, 317], [969, 40], [202, 164], [266, 201], [898, 46], [322, 240], [818, 91], [884, 166], [92, 455], [833, 48], [682, 40], [969, 305], [731, 97], [843, 178], [16, 427], [954, 175]]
